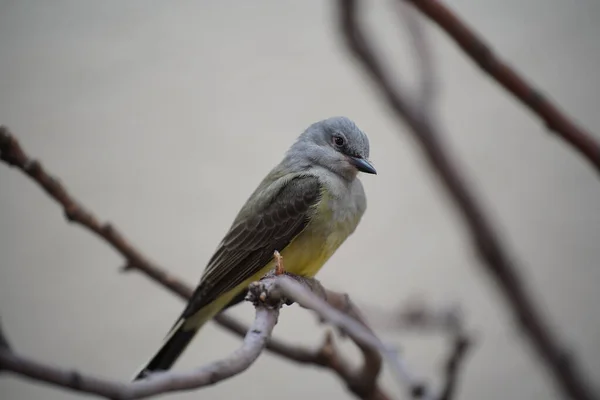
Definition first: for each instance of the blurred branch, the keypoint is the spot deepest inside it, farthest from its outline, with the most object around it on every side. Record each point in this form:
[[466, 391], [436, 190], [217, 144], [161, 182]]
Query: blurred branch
[[423, 53], [157, 383], [482, 54], [3, 340], [494, 256], [456, 358], [362, 384], [424, 318]]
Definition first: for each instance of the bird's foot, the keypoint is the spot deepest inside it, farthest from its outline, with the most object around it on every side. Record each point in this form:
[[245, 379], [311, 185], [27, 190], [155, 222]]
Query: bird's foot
[[279, 269], [265, 293]]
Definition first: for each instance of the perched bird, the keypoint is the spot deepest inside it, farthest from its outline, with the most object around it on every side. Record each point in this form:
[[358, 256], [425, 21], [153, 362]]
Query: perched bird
[[305, 208]]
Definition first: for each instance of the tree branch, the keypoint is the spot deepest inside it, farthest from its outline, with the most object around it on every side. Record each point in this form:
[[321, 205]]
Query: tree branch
[[423, 56], [157, 383], [450, 322], [483, 55], [495, 258], [456, 357], [363, 384], [284, 287], [3, 340], [362, 381]]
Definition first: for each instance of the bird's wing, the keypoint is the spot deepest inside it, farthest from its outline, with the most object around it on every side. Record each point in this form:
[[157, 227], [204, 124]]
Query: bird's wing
[[255, 235]]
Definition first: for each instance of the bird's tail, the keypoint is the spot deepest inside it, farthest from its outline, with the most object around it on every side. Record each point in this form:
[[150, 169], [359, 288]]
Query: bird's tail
[[182, 333], [174, 344], [177, 340]]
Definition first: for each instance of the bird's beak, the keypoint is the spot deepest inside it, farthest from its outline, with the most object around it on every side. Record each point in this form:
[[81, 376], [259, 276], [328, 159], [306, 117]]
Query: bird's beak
[[363, 165]]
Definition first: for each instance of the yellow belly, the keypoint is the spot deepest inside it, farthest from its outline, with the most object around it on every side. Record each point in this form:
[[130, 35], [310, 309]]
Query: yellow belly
[[304, 256], [308, 253]]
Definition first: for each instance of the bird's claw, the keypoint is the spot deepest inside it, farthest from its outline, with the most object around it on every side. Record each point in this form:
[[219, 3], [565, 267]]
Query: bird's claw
[[279, 269], [265, 293]]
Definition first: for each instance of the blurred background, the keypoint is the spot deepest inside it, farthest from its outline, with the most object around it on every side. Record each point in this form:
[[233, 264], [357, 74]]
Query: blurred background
[[162, 117]]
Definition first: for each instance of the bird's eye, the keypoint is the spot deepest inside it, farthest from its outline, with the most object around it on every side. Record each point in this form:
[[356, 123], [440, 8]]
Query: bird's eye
[[338, 141]]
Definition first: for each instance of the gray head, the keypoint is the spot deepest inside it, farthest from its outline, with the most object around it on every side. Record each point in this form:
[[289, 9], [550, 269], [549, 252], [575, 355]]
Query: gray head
[[334, 143]]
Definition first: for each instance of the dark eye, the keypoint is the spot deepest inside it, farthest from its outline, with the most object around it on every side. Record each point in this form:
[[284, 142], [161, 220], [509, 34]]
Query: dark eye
[[338, 141]]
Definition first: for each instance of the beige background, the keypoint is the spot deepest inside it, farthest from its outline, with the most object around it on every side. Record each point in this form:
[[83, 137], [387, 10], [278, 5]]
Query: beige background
[[163, 116]]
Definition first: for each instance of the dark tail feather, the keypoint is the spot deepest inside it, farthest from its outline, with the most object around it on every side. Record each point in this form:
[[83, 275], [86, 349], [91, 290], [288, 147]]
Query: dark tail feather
[[178, 339], [169, 352]]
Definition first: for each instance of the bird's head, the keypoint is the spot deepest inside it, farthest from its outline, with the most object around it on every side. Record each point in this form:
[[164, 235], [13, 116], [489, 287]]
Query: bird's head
[[334, 143]]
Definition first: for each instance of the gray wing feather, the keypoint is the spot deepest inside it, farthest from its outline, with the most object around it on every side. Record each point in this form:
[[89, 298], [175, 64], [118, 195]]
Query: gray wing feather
[[254, 236]]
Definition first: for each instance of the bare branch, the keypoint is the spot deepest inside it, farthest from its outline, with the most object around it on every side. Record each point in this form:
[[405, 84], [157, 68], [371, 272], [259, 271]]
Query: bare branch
[[286, 287], [363, 385], [367, 376], [490, 249], [423, 52], [158, 383], [3, 340], [461, 345], [526, 93], [361, 382], [416, 314]]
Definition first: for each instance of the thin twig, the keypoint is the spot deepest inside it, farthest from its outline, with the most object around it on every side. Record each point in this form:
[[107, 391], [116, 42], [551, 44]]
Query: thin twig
[[416, 315], [460, 347], [363, 386], [490, 249], [483, 55], [158, 383]]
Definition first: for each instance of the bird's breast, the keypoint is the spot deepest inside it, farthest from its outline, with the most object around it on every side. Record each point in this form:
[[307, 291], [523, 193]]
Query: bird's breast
[[335, 218]]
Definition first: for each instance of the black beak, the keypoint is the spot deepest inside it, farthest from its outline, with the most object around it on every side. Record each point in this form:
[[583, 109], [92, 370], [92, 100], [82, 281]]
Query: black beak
[[362, 165]]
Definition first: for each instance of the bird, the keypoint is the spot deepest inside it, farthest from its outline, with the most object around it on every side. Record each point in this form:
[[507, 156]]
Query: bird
[[305, 208]]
